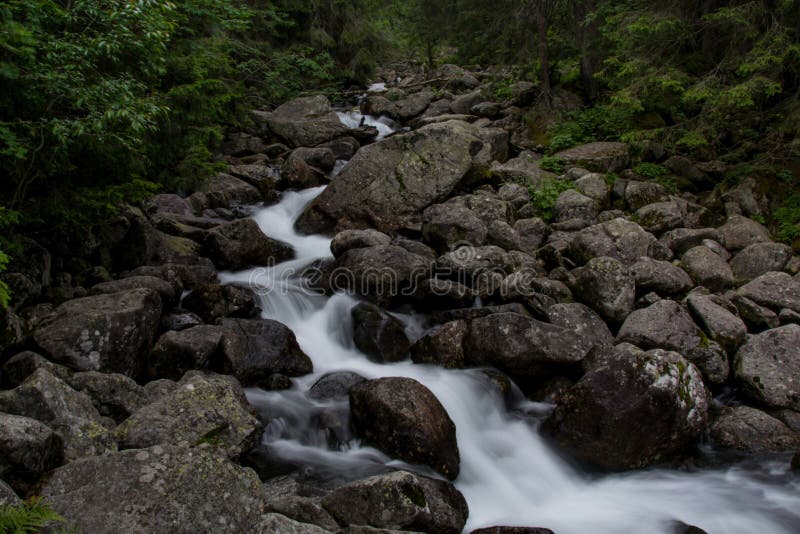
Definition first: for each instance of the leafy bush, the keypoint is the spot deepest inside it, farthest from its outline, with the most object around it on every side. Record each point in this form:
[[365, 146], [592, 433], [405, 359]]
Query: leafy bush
[[544, 196], [7, 219], [549, 163], [788, 219], [27, 518], [651, 171]]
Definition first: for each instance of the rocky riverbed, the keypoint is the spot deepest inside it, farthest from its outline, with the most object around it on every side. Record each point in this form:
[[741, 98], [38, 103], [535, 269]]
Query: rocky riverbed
[[646, 326]]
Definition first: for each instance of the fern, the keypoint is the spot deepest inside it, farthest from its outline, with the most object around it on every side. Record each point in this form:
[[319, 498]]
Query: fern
[[27, 518]]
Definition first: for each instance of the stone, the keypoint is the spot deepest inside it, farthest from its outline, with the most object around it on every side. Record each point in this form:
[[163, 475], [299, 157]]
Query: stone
[[279, 523], [717, 322], [24, 364], [28, 449], [758, 259], [635, 409], [661, 277], [156, 489], [605, 285], [214, 302], [405, 420], [598, 157], [107, 333], [667, 325], [623, 240], [400, 501], [641, 194], [757, 318], [226, 191], [379, 335], [447, 225], [707, 269], [582, 322], [660, 217], [740, 232], [306, 121], [524, 169], [767, 367], [774, 290], [241, 244], [442, 345], [7, 496], [114, 395], [572, 205], [749, 430], [532, 234], [203, 409], [167, 291], [334, 386], [682, 239], [175, 353], [350, 239]]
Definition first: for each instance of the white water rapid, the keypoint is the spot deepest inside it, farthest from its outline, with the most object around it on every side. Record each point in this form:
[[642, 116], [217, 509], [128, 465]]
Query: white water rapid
[[509, 476]]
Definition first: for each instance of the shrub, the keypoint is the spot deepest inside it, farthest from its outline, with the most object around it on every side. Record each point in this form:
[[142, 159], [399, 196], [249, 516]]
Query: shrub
[[27, 518], [545, 195]]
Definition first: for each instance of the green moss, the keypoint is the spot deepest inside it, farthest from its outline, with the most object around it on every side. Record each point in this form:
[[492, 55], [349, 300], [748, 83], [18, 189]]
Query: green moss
[[544, 196], [552, 164]]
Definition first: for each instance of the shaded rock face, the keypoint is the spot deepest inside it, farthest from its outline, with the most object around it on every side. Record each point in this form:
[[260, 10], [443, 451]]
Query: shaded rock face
[[404, 419], [150, 489], [253, 350], [620, 239], [389, 183], [275, 522], [758, 259], [213, 302], [379, 335], [241, 244], [749, 430], [520, 345], [765, 363], [177, 352], [633, 410], [606, 286], [108, 333], [598, 157], [443, 345], [7, 496], [400, 501], [718, 322], [774, 290], [334, 385], [667, 325], [306, 121], [707, 268], [114, 395], [209, 409], [661, 277], [28, 449]]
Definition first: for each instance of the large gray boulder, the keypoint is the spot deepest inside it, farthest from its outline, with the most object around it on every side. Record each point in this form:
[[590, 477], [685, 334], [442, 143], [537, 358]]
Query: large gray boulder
[[400, 501], [524, 169], [7, 496], [28, 449], [210, 409], [740, 232], [255, 349], [177, 352], [241, 244], [634, 409], [717, 321], [607, 286], [212, 302], [661, 277], [442, 345], [379, 335], [598, 157], [114, 395], [306, 121], [774, 290], [582, 322], [707, 268], [388, 184], [758, 259], [276, 522], [159, 489], [667, 325], [522, 346], [108, 333], [404, 419], [768, 365], [448, 224], [749, 430], [349, 239], [620, 239]]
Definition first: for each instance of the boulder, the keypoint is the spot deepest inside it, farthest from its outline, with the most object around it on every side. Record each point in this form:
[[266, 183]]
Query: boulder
[[241, 244], [740, 232], [226, 191], [156, 489], [24, 364], [68, 413], [522, 346], [620, 239], [758, 259], [667, 325], [210, 409], [717, 322], [388, 184], [531, 233], [749, 430], [605, 285], [757, 318], [334, 386], [774, 290], [442, 345], [28, 449], [682, 239], [253, 350], [574, 206], [114, 395], [412, 106], [167, 291], [660, 217], [350, 239], [213, 302], [635, 409], [524, 169], [306, 121], [584, 323], [400, 501], [767, 367], [7, 496], [404, 419], [512, 530], [108, 333], [175, 353], [640, 194], [661, 277], [707, 269], [598, 157], [379, 335], [279, 523], [449, 224]]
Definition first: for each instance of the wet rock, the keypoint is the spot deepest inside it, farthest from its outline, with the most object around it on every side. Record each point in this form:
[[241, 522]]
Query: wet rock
[[445, 225], [633, 410], [241, 244], [226, 191], [69, 413], [24, 364], [180, 320], [767, 367], [774, 290], [707, 269], [252, 350], [335, 385], [401, 501], [667, 325], [442, 345], [175, 353], [203, 409], [350, 239], [719, 323], [146, 490], [661, 277], [620, 239], [213, 302], [296, 173], [114, 395], [414, 170], [108, 333], [306, 121], [598, 157], [28, 449], [379, 335], [740, 232], [404, 419], [607, 286], [520, 345], [758, 259], [749, 430]]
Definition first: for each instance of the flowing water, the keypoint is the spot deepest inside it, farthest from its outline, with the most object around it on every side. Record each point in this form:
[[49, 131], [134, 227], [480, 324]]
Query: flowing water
[[509, 475]]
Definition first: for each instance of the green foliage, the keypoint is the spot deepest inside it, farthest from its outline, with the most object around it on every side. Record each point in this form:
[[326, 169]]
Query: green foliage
[[27, 518], [552, 164], [651, 171], [788, 219], [7, 219], [544, 196]]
